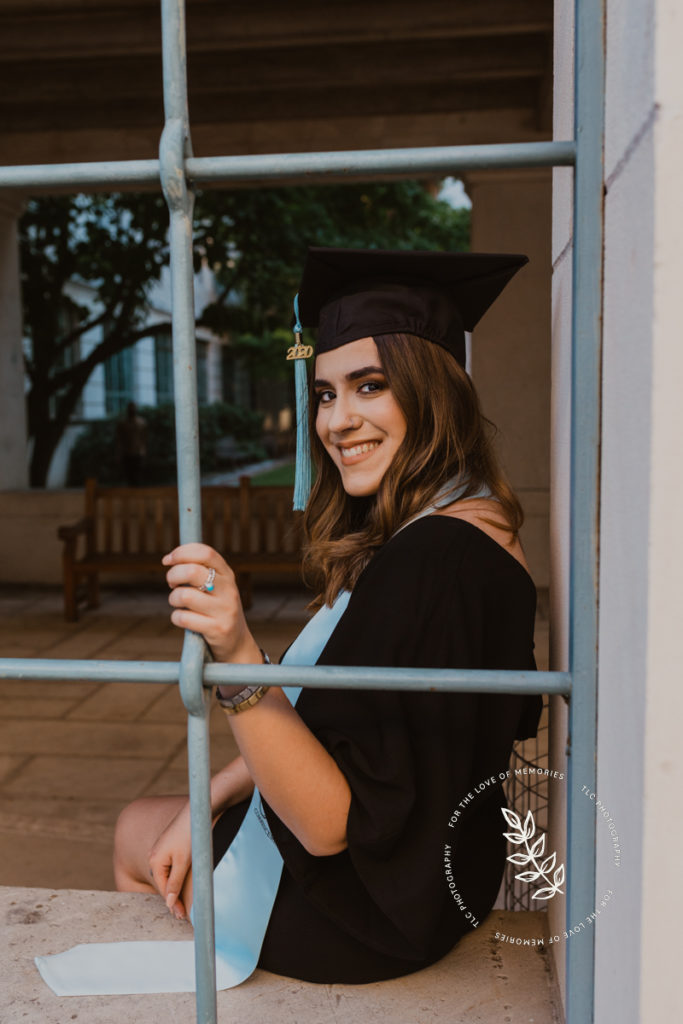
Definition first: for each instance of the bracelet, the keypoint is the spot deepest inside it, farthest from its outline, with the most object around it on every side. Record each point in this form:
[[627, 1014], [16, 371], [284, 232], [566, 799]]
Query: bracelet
[[245, 698]]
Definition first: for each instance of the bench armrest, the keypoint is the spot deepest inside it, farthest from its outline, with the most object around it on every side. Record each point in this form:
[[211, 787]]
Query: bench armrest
[[73, 530]]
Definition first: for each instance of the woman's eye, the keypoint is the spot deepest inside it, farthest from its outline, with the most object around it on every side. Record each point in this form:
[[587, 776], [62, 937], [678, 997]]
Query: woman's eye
[[325, 396], [371, 386]]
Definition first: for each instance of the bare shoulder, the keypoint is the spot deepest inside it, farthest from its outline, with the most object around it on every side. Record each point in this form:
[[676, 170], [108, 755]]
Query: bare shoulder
[[487, 515]]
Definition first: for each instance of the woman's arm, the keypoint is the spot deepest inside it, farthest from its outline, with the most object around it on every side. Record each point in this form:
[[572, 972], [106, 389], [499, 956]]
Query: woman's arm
[[170, 857], [296, 775], [230, 785]]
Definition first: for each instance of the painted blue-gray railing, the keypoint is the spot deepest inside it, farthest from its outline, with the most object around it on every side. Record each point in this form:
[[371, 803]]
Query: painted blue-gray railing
[[589, 74], [347, 164], [174, 148], [175, 168], [331, 677]]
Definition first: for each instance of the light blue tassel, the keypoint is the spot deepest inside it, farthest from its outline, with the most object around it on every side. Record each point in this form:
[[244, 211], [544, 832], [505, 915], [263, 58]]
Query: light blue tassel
[[302, 477]]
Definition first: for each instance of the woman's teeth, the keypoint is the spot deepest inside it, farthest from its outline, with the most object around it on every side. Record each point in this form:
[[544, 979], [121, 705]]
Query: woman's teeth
[[359, 449]]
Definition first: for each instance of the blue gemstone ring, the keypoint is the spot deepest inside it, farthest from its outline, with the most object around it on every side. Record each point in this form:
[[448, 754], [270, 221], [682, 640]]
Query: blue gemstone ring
[[208, 585]]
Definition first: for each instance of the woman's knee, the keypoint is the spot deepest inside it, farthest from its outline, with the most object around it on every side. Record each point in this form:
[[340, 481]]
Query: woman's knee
[[128, 840], [138, 827]]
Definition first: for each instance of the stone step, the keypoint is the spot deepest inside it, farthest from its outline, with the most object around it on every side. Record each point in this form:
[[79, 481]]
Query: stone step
[[482, 981]]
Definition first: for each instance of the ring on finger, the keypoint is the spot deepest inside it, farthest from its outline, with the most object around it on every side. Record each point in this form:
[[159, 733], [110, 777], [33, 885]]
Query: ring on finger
[[208, 584]]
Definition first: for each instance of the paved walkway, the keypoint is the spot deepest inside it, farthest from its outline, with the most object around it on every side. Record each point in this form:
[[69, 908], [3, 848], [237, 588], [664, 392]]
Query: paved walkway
[[73, 754]]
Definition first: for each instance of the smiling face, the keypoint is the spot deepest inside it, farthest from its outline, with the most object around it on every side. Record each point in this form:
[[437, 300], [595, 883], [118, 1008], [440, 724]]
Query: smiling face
[[358, 420]]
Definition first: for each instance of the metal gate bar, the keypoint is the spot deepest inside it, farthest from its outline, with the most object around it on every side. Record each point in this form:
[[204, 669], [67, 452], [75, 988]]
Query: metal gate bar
[[215, 674], [311, 166], [177, 166], [589, 78]]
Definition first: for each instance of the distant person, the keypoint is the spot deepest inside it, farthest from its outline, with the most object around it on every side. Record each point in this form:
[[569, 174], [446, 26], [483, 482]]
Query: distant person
[[131, 444]]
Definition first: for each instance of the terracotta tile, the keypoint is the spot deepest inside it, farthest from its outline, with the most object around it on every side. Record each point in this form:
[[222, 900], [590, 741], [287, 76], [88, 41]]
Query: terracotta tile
[[118, 702], [168, 708], [35, 707], [60, 863], [73, 809], [173, 782], [84, 778], [63, 689], [145, 740], [9, 764]]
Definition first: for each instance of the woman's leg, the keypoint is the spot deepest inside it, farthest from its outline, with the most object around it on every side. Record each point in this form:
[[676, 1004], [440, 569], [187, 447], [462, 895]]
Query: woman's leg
[[139, 826]]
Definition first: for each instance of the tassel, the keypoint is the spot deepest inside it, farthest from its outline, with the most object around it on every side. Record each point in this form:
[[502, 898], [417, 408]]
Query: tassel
[[302, 478]]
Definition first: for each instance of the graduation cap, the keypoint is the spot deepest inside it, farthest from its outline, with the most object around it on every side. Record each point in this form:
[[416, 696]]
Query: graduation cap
[[350, 294]]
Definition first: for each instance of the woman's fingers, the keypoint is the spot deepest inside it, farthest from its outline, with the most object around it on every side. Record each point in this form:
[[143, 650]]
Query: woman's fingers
[[160, 868], [200, 553], [216, 614], [174, 886], [168, 873], [192, 574]]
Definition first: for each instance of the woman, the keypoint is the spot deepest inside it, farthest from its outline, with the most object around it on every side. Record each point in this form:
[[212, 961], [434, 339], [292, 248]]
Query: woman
[[412, 540]]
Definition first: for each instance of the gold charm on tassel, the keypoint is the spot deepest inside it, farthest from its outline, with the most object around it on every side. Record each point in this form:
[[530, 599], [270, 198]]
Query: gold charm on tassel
[[299, 351]]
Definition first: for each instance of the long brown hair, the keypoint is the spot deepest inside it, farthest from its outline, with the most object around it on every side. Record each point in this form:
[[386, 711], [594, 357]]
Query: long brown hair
[[446, 434]]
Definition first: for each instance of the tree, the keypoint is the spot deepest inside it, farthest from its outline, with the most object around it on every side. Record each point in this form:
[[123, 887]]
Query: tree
[[253, 240], [118, 244]]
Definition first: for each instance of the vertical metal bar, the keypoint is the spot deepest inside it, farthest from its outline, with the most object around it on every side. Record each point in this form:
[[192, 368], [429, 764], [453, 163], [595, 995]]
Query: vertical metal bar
[[589, 71], [174, 148]]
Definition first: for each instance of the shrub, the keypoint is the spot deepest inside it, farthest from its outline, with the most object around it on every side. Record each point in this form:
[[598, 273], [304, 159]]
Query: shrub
[[95, 454]]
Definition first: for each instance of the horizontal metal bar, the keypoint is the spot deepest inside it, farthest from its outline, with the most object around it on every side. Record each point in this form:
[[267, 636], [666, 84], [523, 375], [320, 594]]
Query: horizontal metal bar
[[316, 676], [426, 159], [115, 173], [278, 166]]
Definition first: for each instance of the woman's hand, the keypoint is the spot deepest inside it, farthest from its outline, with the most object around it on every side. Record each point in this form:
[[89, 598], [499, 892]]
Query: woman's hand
[[170, 860], [218, 616]]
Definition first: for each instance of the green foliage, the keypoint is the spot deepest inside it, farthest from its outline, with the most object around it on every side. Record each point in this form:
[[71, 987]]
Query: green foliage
[[95, 451], [254, 240], [278, 476]]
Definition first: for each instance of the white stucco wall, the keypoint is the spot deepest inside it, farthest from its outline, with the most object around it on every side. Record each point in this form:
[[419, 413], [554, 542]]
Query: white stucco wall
[[661, 827], [640, 701]]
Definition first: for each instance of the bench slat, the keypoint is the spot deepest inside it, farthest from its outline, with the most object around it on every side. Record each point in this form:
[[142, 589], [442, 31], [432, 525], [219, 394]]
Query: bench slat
[[132, 528]]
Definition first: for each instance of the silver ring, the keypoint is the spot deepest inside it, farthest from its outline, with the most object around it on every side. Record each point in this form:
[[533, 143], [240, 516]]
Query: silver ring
[[208, 585]]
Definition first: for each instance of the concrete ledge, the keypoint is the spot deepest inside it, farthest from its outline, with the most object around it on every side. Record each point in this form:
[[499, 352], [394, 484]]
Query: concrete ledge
[[483, 981]]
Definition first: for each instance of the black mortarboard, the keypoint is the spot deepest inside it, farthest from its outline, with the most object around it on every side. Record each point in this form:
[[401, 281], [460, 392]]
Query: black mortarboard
[[357, 293]]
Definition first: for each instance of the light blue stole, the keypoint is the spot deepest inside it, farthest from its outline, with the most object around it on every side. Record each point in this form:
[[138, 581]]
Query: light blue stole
[[245, 881]]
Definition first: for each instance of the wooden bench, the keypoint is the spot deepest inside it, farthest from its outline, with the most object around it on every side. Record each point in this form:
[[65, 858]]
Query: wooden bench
[[128, 530]]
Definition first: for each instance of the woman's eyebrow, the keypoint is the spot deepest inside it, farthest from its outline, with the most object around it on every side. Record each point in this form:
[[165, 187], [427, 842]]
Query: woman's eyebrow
[[364, 371]]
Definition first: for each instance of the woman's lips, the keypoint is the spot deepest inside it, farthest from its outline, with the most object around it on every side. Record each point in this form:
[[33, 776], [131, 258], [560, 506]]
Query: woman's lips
[[350, 454]]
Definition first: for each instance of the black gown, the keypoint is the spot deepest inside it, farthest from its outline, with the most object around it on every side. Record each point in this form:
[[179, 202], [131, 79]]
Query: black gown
[[439, 594]]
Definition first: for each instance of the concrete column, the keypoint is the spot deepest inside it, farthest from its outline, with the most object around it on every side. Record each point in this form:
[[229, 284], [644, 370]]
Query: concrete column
[[511, 212], [13, 435]]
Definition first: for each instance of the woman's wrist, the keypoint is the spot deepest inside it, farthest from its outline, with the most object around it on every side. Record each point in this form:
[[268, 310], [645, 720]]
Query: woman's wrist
[[230, 786], [228, 692]]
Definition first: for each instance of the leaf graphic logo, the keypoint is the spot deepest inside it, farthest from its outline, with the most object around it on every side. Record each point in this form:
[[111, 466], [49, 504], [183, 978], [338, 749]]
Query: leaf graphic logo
[[522, 834]]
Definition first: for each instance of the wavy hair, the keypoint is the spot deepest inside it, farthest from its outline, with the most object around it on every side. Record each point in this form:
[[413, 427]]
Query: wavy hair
[[446, 435]]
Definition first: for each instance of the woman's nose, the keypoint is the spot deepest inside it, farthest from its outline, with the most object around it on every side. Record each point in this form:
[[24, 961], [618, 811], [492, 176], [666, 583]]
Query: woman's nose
[[343, 415]]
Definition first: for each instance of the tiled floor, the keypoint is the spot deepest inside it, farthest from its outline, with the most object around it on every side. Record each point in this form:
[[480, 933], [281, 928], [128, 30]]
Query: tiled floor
[[73, 754]]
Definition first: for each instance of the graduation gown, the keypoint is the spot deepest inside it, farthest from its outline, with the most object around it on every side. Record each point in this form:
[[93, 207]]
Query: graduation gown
[[439, 594]]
